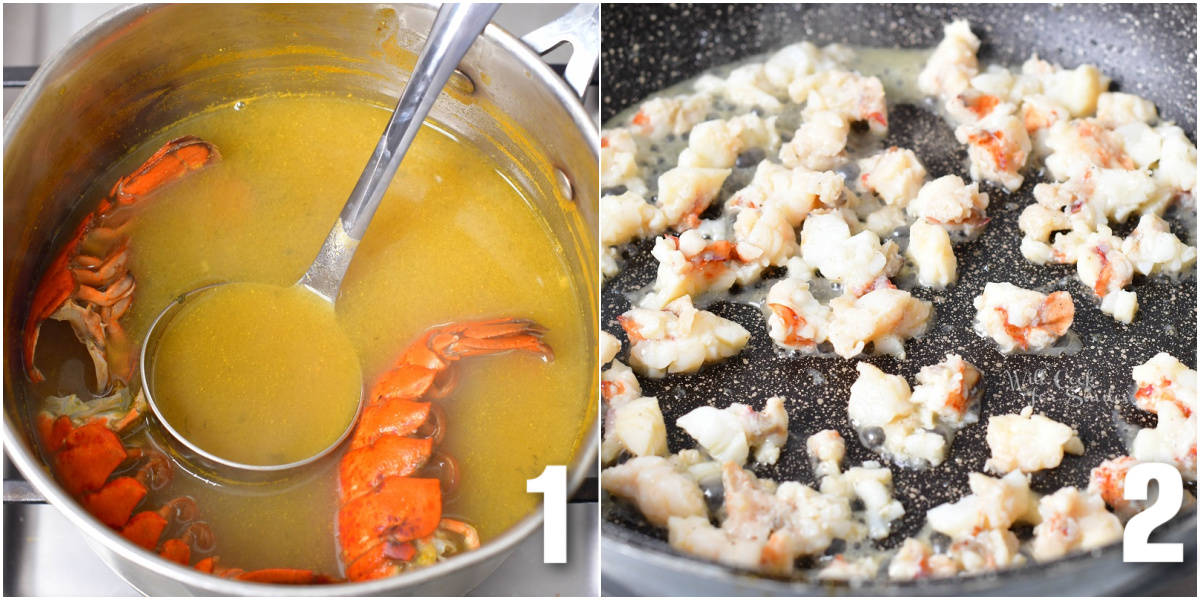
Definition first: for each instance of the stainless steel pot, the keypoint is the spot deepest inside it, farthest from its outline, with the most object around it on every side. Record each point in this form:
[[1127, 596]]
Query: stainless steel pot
[[141, 68]]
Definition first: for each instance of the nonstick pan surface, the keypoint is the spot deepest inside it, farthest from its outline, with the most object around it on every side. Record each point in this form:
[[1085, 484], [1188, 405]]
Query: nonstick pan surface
[[1148, 50]]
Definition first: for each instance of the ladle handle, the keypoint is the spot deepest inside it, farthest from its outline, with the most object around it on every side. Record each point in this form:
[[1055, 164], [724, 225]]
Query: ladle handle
[[454, 30]]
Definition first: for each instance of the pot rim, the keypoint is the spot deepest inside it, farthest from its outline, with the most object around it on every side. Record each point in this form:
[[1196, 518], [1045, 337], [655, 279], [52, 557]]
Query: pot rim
[[33, 470]]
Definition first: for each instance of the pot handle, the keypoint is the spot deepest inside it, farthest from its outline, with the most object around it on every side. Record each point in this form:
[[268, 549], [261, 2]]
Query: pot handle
[[580, 27]]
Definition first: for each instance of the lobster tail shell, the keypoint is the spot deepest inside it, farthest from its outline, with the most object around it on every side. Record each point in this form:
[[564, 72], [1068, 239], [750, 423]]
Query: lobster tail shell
[[172, 161], [401, 509], [363, 469], [395, 417], [386, 514], [60, 292]]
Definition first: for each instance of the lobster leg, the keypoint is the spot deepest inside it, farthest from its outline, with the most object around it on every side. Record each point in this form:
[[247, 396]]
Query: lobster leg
[[105, 340], [100, 272], [110, 295], [469, 535]]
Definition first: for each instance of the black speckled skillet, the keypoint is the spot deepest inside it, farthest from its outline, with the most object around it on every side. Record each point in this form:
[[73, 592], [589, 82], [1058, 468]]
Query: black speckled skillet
[[1148, 50]]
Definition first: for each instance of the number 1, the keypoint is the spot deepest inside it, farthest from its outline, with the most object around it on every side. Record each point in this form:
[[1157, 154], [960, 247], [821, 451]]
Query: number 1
[[552, 485]]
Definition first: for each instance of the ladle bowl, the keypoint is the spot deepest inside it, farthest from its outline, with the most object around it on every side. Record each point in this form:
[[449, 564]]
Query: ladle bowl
[[188, 449]]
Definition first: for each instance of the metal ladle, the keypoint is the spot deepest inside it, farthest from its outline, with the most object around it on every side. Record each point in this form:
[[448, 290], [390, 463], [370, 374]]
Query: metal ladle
[[453, 32]]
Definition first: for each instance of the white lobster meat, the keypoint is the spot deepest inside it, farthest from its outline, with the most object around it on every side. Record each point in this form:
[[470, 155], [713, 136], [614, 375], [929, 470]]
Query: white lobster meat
[[679, 338], [660, 490], [1022, 319], [729, 434], [1027, 442], [885, 317], [1073, 520]]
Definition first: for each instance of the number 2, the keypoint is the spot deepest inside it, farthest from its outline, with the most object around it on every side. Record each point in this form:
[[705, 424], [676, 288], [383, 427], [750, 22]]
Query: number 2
[[1170, 497], [552, 485]]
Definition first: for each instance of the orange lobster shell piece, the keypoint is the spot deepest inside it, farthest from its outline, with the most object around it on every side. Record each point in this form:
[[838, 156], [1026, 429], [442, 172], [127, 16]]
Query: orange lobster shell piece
[[387, 516], [85, 458], [87, 284]]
